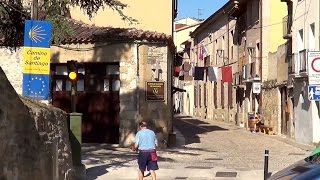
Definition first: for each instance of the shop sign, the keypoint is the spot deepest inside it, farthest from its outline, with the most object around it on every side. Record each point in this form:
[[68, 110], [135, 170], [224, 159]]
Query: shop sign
[[155, 91]]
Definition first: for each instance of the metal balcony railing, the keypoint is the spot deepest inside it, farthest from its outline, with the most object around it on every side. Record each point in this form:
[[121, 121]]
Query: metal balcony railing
[[286, 21], [303, 60], [291, 67], [297, 64]]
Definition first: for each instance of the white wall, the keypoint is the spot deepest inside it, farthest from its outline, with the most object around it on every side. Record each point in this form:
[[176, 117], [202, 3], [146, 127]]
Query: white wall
[[306, 113]]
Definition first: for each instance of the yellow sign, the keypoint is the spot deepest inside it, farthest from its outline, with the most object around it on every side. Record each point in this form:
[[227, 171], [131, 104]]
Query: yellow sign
[[36, 60]]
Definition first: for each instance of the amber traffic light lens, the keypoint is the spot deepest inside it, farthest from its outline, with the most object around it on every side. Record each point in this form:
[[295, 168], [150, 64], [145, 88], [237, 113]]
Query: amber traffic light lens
[[73, 75]]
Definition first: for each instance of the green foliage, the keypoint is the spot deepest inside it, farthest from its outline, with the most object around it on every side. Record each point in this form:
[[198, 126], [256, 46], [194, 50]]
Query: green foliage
[[13, 14], [12, 17]]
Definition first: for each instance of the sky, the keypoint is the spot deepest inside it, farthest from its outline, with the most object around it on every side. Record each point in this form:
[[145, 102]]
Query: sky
[[189, 8]]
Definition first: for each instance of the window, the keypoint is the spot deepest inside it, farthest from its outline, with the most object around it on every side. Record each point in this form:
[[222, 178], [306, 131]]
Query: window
[[230, 97], [215, 95], [251, 54], [205, 95], [199, 94], [312, 38], [222, 95], [300, 40], [92, 77], [195, 96], [231, 52]]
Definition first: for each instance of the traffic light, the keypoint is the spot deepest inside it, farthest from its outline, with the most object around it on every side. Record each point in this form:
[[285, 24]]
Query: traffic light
[[72, 71]]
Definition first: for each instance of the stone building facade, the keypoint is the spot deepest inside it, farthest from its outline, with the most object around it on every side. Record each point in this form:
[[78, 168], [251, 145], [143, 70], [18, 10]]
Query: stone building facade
[[246, 35], [136, 57]]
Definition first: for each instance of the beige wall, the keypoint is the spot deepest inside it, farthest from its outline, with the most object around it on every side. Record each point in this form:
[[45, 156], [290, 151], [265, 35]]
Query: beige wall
[[181, 36], [307, 12], [11, 63], [215, 37], [158, 114], [152, 15], [272, 108], [100, 52], [278, 67]]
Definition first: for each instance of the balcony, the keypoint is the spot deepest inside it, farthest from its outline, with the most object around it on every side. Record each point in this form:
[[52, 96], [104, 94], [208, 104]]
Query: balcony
[[236, 79], [297, 65], [250, 72], [286, 23]]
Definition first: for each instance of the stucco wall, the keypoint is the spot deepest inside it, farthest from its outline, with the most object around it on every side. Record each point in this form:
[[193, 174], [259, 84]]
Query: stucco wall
[[98, 52], [278, 67], [34, 138], [182, 35], [151, 15], [306, 13], [11, 63], [302, 114]]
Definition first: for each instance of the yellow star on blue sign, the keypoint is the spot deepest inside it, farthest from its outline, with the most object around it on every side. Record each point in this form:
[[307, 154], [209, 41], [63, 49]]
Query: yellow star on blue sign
[[36, 86]]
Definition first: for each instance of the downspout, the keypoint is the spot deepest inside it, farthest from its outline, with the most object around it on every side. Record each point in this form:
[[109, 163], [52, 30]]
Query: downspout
[[138, 79], [170, 104], [238, 89], [228, 62], [261, 49]]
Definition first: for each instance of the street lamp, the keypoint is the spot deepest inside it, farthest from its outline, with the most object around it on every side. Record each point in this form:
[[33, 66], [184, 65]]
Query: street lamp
[[72, 67]]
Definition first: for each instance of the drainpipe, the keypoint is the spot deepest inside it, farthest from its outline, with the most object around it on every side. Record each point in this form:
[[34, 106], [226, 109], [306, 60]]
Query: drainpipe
[[137, 79], [261, 49], [238, 89], [228, 62]]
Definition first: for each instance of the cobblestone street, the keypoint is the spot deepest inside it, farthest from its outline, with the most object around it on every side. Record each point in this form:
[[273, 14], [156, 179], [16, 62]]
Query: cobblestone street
[[205, 150]]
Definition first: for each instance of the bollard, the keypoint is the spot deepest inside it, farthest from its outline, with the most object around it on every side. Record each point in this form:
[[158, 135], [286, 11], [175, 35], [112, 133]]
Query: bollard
[[266, 163], [75, 142]]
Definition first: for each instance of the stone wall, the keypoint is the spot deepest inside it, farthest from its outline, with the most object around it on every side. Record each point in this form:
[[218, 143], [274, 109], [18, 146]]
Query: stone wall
[[135, 71], [34, 138], [271, 107], [157, 114]]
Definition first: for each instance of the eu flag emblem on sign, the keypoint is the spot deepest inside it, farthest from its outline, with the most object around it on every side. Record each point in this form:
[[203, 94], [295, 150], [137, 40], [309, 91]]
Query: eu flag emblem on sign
[[37, 34], [36, 86]]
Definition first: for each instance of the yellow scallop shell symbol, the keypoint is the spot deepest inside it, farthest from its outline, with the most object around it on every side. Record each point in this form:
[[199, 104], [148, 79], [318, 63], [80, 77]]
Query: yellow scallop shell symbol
[[37, 34]]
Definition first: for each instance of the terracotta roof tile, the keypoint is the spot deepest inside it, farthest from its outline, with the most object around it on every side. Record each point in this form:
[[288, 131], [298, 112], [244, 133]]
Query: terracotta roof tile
[[84, 33]]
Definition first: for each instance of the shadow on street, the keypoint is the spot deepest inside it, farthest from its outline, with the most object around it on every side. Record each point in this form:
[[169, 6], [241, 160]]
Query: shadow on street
[[101, 157], [190, 128]]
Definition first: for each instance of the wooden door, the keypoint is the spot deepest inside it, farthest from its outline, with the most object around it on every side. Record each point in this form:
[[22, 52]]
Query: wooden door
[[284, 111], [97, 98]]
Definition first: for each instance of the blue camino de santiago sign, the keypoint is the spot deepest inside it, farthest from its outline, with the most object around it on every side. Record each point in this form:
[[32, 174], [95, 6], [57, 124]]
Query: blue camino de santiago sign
[[36, 56]]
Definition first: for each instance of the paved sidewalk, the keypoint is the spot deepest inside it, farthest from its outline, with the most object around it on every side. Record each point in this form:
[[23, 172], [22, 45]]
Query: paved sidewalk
[[205, 150]]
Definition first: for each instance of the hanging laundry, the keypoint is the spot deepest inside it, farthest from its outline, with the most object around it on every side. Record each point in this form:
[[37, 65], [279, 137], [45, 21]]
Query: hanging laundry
[[226, 74], [203, 51], [198, 73], [213, 73]]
